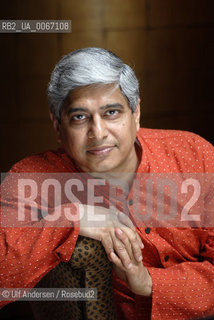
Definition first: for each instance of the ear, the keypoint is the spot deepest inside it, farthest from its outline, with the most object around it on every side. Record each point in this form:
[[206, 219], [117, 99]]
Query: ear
[[137, 115], [56, 127]]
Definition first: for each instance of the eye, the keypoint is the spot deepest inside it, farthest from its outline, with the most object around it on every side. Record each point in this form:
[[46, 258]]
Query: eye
[[112, 113], [78, 117]]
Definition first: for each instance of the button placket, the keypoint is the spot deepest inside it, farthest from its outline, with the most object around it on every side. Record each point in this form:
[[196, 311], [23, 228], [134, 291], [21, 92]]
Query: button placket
[[130, 202], [166, 258], [147, 230]]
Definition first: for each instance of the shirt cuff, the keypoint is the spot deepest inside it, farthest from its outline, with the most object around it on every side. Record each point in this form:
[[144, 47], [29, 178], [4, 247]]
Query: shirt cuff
[[65, 249], [180, 292]]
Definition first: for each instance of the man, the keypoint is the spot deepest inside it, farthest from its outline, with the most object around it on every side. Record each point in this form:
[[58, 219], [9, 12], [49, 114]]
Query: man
[[95, 109]]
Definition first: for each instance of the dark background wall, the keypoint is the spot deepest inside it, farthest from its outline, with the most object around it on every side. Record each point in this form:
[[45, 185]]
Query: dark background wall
[[169, 43]]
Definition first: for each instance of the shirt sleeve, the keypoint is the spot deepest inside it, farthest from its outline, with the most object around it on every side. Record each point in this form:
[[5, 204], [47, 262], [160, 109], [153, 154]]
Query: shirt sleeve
[[185, 290], [29, 251], [204, 153]]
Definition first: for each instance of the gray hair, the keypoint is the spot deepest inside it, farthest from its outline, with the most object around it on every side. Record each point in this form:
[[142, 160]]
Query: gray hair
[[90, 66]]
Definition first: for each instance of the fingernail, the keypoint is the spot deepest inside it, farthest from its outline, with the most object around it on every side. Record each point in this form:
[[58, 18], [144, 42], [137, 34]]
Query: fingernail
[[119, 231], [112, 255], [140, 258], [129, 266]]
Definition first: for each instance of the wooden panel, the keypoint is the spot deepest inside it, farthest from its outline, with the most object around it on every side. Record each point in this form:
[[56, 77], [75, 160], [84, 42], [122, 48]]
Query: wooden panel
[[170, 90], [200, 123], [8, 94], [35, 137], [204, 93], [9, 148], [179, 70], [130, 45], [32, 98], [77, 40], [8, 9], [38, 10], [85, 15], [8, 55], [176, 12], [177, 122], [182, 48], [124, 13], [177, 90], [24, 139], [37, 54]]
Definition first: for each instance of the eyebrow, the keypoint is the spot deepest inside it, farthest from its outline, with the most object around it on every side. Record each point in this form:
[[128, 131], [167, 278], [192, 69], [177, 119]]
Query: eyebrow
[[107, 106]]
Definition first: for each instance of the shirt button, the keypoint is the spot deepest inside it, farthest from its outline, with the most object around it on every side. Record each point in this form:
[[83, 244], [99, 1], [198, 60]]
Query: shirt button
[[147, 230], [130, 202], [166, 258]]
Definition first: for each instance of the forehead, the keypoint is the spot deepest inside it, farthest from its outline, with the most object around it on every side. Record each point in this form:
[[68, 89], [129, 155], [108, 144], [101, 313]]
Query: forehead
[[95, 96]]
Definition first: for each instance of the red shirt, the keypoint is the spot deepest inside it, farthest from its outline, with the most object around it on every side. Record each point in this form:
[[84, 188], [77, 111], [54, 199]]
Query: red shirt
[[179, 260]]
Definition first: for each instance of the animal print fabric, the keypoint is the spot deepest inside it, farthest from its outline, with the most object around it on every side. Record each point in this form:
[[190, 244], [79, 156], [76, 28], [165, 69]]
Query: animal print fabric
[[88, 267]]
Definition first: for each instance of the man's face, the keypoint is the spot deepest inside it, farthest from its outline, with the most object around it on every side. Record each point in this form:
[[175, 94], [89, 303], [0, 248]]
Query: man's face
[[98, 129]]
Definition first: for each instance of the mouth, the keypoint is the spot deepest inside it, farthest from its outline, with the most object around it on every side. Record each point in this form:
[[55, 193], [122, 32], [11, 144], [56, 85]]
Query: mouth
[[100, 151]]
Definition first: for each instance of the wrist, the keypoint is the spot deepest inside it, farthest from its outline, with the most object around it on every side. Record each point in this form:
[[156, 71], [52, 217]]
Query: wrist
[[142, 282], [145, 289]]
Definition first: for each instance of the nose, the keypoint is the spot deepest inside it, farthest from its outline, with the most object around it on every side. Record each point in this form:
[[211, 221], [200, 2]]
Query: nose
[[98, 129]]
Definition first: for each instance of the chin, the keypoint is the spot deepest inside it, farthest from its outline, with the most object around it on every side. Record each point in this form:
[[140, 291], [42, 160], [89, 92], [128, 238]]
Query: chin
[[102, 169]]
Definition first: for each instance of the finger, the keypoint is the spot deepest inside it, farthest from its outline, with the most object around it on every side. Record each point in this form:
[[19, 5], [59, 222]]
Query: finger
[[140, 240], [124, 219], [107, 243], [122, 252], [134, 241], [125, 240], [116, 260], [138, 237]]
